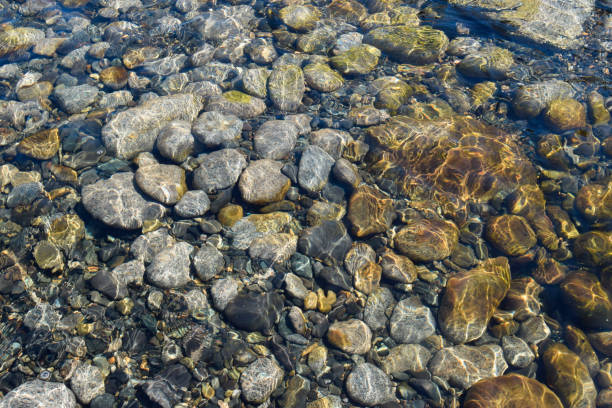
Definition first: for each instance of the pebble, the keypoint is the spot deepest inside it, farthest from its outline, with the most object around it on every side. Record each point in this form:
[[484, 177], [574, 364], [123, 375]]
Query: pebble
[[162, 182], [215, 129], [74, 99], [368, 385], [223, 291], [314, 168], [219, 170], [39, 394], [175, 141], [412, 358], [411, 321], [351, 336], [42, 145], [262, 182], [253, 312], [275, 139], [286, 87], [327, 241], [87, 383], [237, 103], [194, 203], [517, 352], [259, 380], [369, 211], [170, 267], [208, 262]]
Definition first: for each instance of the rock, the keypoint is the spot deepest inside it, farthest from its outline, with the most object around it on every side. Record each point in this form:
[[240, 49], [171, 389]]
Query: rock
[[107, 283], [286, 87], [412, 358], [321, 211], [586, 298], [358, 60], [219, 170], [259, 380], [48, 256], [577, 341], [300, 17], [162, 182], [217, 129], [42, 145], [331, 140], [255, 82], [369, 211], [25, 194], [321, 77], [170, 267], [194, 203], [368, 385], [115, 77], [74, 99], [223, 291], [530, 100], [409, 44], [523, 298], [597, 110], [397, 267], [331, 401], [568, 377], [463, 366], [511, 234], [594, 201], [116, 202], [489, 62], [145, 247], [39, 394], [41, 317], [230, 215], [328, 241], [464, 310], [426, 240], [295, 286], [175, 141], [253, 311], [135, 130], [350, 11], [66, 231], [510, 390], [346, 173], [208, 262], [19, 38], [594, 248], [360, 262], [565, 114], [315, 166], [275, 139], [87, 382], [517, 351], [296, 394], [351, 336], [275, 248], [411, 321], [534, 330], [262, 182], [130, 272]]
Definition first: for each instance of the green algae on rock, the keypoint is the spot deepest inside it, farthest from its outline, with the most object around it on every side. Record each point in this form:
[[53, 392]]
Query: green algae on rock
[[321, 77], [286, 87], [19, 38], [409, 44], [358, 60]]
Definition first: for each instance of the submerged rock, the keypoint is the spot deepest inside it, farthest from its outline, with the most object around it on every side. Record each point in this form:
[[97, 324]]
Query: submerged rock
[[39, 394], [510, 390], [409, 44], [368, 385]]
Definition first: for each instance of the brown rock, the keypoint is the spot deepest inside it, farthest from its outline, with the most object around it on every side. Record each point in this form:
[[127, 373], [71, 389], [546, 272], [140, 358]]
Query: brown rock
[[522, 298], [369, 211], [602, 342], [562, 221], [579, 343], [587, 299], [594, 201], [350, 11], [42, 145], [565, 114], [262, 182], [512, 390], [594, 248], [360, 262], [114, 77], [511, 234], [425, 240], [397, 267], [351, 336], [229, 214]]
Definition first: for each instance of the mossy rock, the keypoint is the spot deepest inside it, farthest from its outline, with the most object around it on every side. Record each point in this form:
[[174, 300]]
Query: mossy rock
[[361, 59], [409, 44], [321, 77]]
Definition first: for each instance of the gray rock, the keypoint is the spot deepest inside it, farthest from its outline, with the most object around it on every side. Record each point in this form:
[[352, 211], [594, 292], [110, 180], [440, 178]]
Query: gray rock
[[333, 141], [145, 247], [530, 100], [223, 291], [286, 87], [517, 351], [224, 22], [295, 286], [205, 90], [194, 203], [162, 182], [116, 202], [25, 194], [534, 330], [39, 394], [216, 129], [314, 168], [130, 272], [170, 267], [75, 57], [411, 321], [301, 122], [255, 82], [219, 170], [273, 248], [41, 317], [254, 311], [368, 385], [412, 358], [275, 139], [136, 129], [260, 379], [262, 182], [115, 99], [164, 66], [462, 366], [175, 141], [347, 41], [328, 241], [73, 99], [237, 103], [489, 62], [87, 382], [208, 262], [346, 172], [374, 313], [106, 282], [202, 55]]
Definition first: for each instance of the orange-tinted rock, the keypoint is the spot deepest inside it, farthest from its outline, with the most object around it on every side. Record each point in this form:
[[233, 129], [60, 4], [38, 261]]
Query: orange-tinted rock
[[548, 271], [502, 324], [565, 114], [42, 145], [369, 211], [594, 201], [510, 391], [351, 336], [470, 299], [397, 267], [114, 77], [578, 342], [426, 240], [587, 299], [594, 248], [511, 234], [523, 298], [562, 221], [551, 149], [528, 201], [360, 262], [568, 377], [602, 342]]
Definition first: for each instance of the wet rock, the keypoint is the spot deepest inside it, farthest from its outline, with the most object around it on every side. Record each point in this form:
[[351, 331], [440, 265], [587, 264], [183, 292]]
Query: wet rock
[[208, 262], [296, 394], [114, 77], [162, 182], [25, 194], [145, 247], [223, 291], [409, 44], [74, 99], [587, 299], [331, 401], [260, 379], [255, 82], [237, 103], [332, 141], [397, 267], [463, 366], [374, 313], [321, 77], [411, 321], [346, 172], [351, 336], [517, 351], [368, 385], [510, 390], [216, 129], [286, 87], [597, 109], [39, 394], [41, 317], [116, 202], [470, 299], [594, 201], [131, 272], [358, 60], [300, 17], [275, 248], [295, 286], [530, 100], [170, 267], [360, 262], [594, 247], [568, 377], [135, 130], [48, 256], [230, 215], [511, 234], [523, 298], [565, 114], [275, 139], [412, 358], [370, 212], [577, 341], [87, 382], [314, 168], [253, 311], [194, 203], [42, 145], [262, 182], [534, 330], [19, 38], [426, 240], [489, 62], [107, 283], [219, 170], [328, 241], [175, 141]]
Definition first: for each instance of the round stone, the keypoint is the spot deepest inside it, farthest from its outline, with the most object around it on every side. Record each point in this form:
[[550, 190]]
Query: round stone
[[262, 182], [587, 299], [175, 141], [512, 390], [489, 62], [368, 385], [351, 336], [511, 234], [358, 60], [314, 168], [163, 182], [170, 267], [594, 201], [411, 321], [114, 77], [42, 145], [300, 17], [409, 44], [216, 129], [238, 104], [369, 211], [194, 203], [259, 380], [254, 311], [208, 262], [321, 77], [39, 394], [286, 87], [230, 214], [219, 170], [48, 256], [275, 139], [594, 247], [565, 114], [426, 240]]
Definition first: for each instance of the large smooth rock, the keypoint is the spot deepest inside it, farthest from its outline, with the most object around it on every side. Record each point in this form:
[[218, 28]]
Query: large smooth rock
[[254, 311], [512, 390], [219, 170], [369, 211], [411, 321], [259, 380], [470, 299], [162, 182], [215, 129], [19, 38], [409, 44], [39, 394], [286, 87], [237, 103], [170, 267], [588, 300], [135, 130], [315, 166], [118, 204], [262, 182], [328, 241], [275, 139], [426, 240], [368, 385], [351, 336]]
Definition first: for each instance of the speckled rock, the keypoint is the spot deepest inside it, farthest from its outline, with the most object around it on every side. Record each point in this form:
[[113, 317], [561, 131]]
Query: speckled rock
[[530, 100], [286, 87], [374, 312], [411, 321], [87, 382], [116, 202], [368, 385], [162, 182], [175, 141], [145, 247], [259, 380], [512, 390], [397, 267], [314, 168], [275, 139], [223, 291], [194, 203], [262, 182], [42, 145], [216, 129], [594, 247], [170, 267], [275, 248], [517, 351], [39, 394], [358, 60], [351, 336], [412, 358], [219, 170], [74, 99], [208, 262], [369, 211]]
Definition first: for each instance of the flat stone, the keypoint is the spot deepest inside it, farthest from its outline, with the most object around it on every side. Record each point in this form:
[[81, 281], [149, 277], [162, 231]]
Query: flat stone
[[275, 139], [262, 182], [39, 394], [219, 170], [411, 321], [115, 77], [510, 390], [194, 203], [314, 168], [170, 267], [19, 38], [351, 336], [42, 145], [217, 129], [370, 212], [74, 99], [374, 312], [412, 358], [321, 77], [286, 87], [162, 182], [368, 385], [586, 298], [116, 202], [426, 240], [253, 311], [327, 241], [259, 380]]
